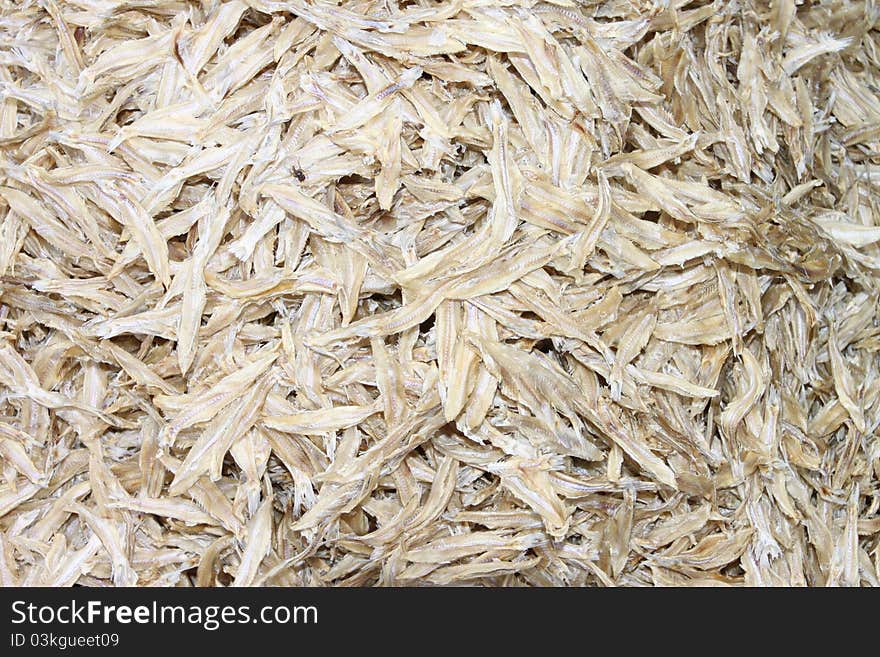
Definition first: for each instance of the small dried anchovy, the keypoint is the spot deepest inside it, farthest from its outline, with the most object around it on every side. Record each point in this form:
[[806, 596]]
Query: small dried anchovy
[[500, 293]]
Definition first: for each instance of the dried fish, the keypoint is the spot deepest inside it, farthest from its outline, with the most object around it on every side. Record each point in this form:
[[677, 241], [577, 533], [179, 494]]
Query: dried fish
[[497, 292]]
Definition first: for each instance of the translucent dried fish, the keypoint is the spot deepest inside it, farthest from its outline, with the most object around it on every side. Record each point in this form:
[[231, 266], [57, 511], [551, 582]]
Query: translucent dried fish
[[500, 293]]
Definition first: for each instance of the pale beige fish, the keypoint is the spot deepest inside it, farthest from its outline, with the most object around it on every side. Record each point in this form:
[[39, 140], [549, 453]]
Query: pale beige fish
[[453, 548], [523, 105], [13, 232], [631, 343], [713, 551], [373, 104], [220, 434], [178, 509], [586, 243], [56, 513], [210, 499], [11, 498], [808, 49], [658, 192], [464, 572], [447, 328], [389, 155], [70, 564], [257, 544], [680, 254], [853, 234], [506, 179], [270, 215], [251, 453], [136, 368], [647, 159], [461, 367], [330, 225], [481, 398], [635, 447], [73, 209], [44, 223], [351, 269], [388, 323], [175, 122], [442, 488], [126, 57], [211, 229], [549, 206], [671, 382], [389, 380], [710, 330], [332, 500], [753, 386], [517, 519], [843, 382], [11, 433], [201, 44], [108, 533], [127, 210], [828, 419], [196, 408], [676, 527], [623, 251], [503, 270], [596, 65], [160, 322], [799, 191], [201, 160], [320, 421], [242, 61], [535, 381], [735, 141], [20, 379], [15, 454], [171, 226], [559, 323], [532, 486], [209, 558]]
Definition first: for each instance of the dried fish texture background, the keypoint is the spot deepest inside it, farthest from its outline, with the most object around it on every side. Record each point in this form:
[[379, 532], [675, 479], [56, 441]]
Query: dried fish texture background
[[483, 292]]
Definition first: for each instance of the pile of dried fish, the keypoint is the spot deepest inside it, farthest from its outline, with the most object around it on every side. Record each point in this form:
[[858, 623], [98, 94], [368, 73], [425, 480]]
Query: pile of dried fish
[[498, 292]]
